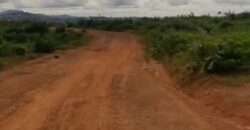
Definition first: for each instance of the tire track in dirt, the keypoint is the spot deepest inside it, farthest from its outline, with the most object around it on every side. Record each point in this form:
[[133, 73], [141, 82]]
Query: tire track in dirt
[[107, 85]]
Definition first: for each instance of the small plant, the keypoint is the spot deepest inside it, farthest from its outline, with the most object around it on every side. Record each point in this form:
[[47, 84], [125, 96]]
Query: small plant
[[16, 36], [60, 29], [5, 50], [1, 40], [44, 47], [41, 27], [167, 45], [182, 24], [225, 24], [19, 51]]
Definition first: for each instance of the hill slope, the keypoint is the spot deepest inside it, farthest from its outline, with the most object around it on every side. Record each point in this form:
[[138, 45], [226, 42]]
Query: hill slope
[[15, 15]]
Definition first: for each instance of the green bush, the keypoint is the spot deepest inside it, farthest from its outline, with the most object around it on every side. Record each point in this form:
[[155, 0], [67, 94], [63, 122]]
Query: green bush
[[5, 50], [199, 52], [44, 47], [19, 51], [60, 29], [225, 24], [243, 15], [182, 24], [221, 58], [16, 37], [225, 65], [207, 27], [39, 27], [1, 40], [167, 45]]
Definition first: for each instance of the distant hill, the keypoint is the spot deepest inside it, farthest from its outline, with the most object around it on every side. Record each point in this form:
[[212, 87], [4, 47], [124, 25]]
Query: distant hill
[[16, 15]]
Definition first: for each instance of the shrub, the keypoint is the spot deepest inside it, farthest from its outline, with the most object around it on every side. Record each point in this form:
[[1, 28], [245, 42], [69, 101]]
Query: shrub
[[231, 15], [224, 65], [14, 29], [19, 51], [1, 40], [5, 50], [202, 55], [168, 45], [44, 47], [37, 27], [243, 15], [222, 58], [207, 27], [60, 29], [175, 43], [225, 24], [16, 37], [182, 24]]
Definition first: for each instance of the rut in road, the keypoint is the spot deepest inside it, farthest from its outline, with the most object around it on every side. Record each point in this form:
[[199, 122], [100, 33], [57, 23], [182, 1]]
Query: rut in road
[[107, 85]]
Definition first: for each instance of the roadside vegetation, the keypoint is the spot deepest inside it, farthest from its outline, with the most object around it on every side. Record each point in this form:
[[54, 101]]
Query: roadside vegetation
[[189, 43], [26, 40], [193, 44]]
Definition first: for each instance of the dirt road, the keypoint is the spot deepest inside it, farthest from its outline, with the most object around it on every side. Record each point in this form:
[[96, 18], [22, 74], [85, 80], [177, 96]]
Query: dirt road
[[107, 85]]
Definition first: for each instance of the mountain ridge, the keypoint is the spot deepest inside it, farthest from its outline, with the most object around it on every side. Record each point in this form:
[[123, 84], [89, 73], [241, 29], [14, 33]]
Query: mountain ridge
[[19, 15]]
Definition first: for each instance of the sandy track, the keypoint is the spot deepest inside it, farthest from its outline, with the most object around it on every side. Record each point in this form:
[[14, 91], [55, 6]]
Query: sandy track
[[107, 85]]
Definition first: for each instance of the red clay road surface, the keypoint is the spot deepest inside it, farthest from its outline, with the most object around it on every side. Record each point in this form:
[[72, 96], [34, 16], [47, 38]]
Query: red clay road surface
[[107, 85]]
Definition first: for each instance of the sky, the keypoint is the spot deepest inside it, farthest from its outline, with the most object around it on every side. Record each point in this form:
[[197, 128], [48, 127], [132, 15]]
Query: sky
[[118, 8]]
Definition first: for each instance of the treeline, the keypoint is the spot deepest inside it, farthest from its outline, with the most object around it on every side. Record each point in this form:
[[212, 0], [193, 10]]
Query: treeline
[[197, 44]]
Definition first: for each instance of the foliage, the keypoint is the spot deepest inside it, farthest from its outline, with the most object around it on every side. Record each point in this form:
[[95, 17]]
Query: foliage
[[225, 24], [5, 50], [199, 44], [37, 27], [25, 39], [60, 29], [19, 51], [1, 40], [16, 37], [44, 47]]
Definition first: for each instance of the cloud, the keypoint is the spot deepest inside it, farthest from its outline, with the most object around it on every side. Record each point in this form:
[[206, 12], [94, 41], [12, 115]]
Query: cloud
[[47, 3], [126, 7], [63, 3], [117, 3], [233, 2], [122, 2], [3, 1], [71, 3], [178, 2]]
